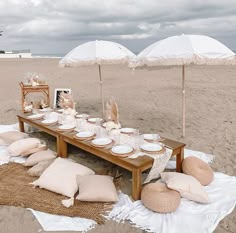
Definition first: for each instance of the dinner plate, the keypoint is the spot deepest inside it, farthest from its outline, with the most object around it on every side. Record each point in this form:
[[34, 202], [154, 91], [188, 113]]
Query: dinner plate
[[122, 149], [151, 147], [101, 142], [83, 115], [151, 137], [45, 110], [84, 134], [127, 130], [95, 119], [36, 116], [49, 121], [66, 127], [60, 110]]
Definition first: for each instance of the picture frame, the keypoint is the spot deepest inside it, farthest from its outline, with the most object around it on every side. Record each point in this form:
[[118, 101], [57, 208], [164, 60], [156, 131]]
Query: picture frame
[[57, 93]]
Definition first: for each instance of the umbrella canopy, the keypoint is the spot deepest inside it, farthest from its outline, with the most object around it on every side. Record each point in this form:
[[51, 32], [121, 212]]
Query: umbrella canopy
[[97, 52], [185, 50]]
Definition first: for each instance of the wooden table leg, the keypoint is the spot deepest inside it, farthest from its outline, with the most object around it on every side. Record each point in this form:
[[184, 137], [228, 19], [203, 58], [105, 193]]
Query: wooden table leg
[[61, 147], [136, 184], [21, 125], [179, 160]]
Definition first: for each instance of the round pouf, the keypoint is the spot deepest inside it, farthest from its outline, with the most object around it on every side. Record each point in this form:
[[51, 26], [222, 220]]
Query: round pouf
[[159, 198], [197, 168]]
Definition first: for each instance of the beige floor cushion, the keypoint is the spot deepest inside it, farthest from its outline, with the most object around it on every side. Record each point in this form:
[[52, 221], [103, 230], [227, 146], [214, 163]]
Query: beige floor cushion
[[24, 147], [39, 168], [9, 137], [188, 187], [60, 177], [39, 157], [159, 198], [197, 168], [98, 188]]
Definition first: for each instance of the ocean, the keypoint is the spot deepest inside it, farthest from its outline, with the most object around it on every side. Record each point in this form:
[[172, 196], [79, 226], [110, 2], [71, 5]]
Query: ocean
[[49, 55]]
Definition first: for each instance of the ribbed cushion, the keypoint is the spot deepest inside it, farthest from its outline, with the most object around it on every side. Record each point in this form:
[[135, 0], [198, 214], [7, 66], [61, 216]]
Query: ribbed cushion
[[159, 198], [197, 168]]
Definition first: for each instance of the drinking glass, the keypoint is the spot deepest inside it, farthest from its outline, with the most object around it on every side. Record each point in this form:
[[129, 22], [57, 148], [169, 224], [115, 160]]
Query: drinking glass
[[116, 136], [98, 129], [155, 138]]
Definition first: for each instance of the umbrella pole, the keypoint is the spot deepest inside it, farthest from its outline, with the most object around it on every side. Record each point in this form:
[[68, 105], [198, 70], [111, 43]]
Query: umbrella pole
[[183, 99], [101, 86]]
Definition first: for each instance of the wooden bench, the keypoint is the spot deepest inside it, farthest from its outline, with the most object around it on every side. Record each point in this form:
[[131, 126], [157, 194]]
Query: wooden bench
[[136, 166]]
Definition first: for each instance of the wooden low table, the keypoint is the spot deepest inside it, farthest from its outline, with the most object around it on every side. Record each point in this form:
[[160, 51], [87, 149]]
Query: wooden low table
[[136, 166]]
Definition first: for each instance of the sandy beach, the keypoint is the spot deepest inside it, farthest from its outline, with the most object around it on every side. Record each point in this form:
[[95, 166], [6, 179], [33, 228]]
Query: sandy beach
[[150, 100]]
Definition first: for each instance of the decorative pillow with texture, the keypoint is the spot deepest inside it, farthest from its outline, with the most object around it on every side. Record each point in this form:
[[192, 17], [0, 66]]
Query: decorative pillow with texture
[[9, 137], [39, 157], [60, 177], [39, 168], [188, 187], [23, 146], [197, 168], [98, 188], [159, 198]]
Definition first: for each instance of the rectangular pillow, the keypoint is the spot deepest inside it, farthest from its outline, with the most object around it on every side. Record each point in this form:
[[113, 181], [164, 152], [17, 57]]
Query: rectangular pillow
[[60, 177], [39, 168], [98, 188], [21, 147], [188, 187], [39, 157], [9, 137]]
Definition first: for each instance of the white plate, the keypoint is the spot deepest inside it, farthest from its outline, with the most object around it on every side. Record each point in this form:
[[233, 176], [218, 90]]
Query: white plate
[[122, 149], [151, 136], [49, 121], [84, 134], [66, 127], [45, 110], [83, 115], [127, 130], [94, 120], [151, 147], [101, 141], [60, 110], [35, 116]]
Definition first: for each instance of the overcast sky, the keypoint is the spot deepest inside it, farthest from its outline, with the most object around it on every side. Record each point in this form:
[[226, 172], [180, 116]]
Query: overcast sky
[[57, 26]]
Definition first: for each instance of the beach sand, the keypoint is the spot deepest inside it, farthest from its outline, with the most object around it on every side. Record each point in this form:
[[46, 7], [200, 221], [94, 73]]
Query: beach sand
[[150, 100]]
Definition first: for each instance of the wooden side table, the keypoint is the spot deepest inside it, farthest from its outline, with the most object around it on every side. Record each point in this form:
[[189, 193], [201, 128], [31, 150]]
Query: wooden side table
[[26, 89]]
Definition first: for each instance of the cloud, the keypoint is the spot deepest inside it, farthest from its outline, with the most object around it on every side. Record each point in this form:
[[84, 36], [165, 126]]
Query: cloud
[[46, 25]]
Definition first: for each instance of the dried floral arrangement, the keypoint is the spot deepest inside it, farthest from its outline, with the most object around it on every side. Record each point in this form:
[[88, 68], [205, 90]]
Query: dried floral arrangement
[[33, 79], [112, 115]]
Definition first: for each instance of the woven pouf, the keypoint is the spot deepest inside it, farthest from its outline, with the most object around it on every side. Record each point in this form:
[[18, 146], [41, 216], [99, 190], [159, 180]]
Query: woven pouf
[[197, 168], [159, 198]]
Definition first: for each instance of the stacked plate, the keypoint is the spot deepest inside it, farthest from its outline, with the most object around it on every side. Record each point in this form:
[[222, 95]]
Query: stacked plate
[[127, 130], [36, 116], [152, 148], [83, 115], [84, 135], [60, 110], [122, 150], [65, 127], [101, 142], [49, 121], [94, 120], [151, 137]]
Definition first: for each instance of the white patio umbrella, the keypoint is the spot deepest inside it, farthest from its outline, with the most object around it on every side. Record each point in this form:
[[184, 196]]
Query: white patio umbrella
[[97, 52], [185, 50]]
